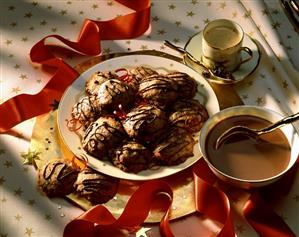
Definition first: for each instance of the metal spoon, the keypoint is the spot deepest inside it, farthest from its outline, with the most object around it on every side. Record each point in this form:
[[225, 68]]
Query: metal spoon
[[206, 71], [254, 133]]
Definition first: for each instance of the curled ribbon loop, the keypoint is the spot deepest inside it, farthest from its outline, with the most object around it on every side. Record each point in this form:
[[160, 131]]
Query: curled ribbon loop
[[23, 107], [98, 221], [210, 200], [214, 203]]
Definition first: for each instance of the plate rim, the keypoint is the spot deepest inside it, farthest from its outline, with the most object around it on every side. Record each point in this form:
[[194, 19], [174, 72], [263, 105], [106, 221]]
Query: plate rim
[[134, 177]]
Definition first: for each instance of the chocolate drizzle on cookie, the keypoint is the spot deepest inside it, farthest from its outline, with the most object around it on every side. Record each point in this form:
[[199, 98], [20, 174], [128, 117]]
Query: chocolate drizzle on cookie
[[175, 147], [142, 72], [158, 88], [96, 79], [114, 92], [145, 122], [86, 110], [96, 187], [102, 135], [188, 114], [56, 178], [131, 157], [59, 169], [131, 113], [187, 86]]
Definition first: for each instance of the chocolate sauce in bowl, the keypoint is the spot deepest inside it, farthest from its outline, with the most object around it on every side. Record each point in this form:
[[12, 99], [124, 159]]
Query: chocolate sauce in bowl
[[247, 158]]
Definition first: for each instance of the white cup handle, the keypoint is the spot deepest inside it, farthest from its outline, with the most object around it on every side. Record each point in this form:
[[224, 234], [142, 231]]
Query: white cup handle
[[249, 52]]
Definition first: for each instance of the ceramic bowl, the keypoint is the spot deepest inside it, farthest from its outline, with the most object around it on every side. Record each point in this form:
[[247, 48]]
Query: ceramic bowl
[[272, 116]]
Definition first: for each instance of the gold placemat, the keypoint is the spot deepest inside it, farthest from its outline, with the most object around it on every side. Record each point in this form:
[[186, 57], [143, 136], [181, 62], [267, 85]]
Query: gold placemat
[[47, 141]]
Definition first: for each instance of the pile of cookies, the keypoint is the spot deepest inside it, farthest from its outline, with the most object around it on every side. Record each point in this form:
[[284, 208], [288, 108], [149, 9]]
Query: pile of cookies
[[138, 118]]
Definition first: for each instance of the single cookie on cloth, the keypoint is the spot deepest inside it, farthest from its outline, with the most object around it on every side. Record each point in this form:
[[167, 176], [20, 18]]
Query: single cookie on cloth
[[56, 178], [96, 187]]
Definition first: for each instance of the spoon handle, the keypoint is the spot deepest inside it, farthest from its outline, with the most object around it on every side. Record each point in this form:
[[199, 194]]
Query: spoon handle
[[212, 75], [286, 120], [172, 46], [183, 51]]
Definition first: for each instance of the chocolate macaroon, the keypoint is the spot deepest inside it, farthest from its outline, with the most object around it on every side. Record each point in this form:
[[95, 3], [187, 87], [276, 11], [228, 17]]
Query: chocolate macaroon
[[142, 72], [96, 79], [86, 110], [145, 122], [96, 187], [188, 114], [187, 86], [174, 147], [158, 89], [114, 92], [101, 135], [131, 157], [56, 178]]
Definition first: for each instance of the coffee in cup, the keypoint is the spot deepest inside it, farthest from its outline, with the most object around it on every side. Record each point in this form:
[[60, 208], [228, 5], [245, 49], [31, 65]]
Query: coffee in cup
[[222, 45]]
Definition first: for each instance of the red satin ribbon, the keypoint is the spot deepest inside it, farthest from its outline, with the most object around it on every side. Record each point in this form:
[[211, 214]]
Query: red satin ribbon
[[210, 201], [98, 221], [24, 106], [214, 203]]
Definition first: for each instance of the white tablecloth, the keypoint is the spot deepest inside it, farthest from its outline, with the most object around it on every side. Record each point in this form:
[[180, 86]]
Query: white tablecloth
[[275, 84]]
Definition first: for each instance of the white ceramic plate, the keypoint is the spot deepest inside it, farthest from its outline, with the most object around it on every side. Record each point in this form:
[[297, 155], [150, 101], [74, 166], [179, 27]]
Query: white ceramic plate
[[205, 95], [194, 47]]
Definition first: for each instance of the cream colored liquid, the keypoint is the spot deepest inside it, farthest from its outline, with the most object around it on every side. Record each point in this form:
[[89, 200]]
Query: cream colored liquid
[[246, 158], [222, 37]]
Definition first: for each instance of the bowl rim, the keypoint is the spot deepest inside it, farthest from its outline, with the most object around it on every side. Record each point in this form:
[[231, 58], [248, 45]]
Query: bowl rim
[[223, 112]]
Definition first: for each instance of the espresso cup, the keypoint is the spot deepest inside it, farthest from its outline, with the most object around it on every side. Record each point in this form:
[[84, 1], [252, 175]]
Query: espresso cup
[[222, 45]]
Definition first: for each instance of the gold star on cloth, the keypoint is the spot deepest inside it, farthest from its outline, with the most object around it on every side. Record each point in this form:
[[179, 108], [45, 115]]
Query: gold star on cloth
[[18, 217], [7, 164], [29, 231], [2, 151], [30, 157], [18, 192], [2, 180], [16, 90]]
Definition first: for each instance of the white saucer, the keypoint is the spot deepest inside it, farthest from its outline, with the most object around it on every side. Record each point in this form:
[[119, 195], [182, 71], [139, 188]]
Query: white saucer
[[194, 47]]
